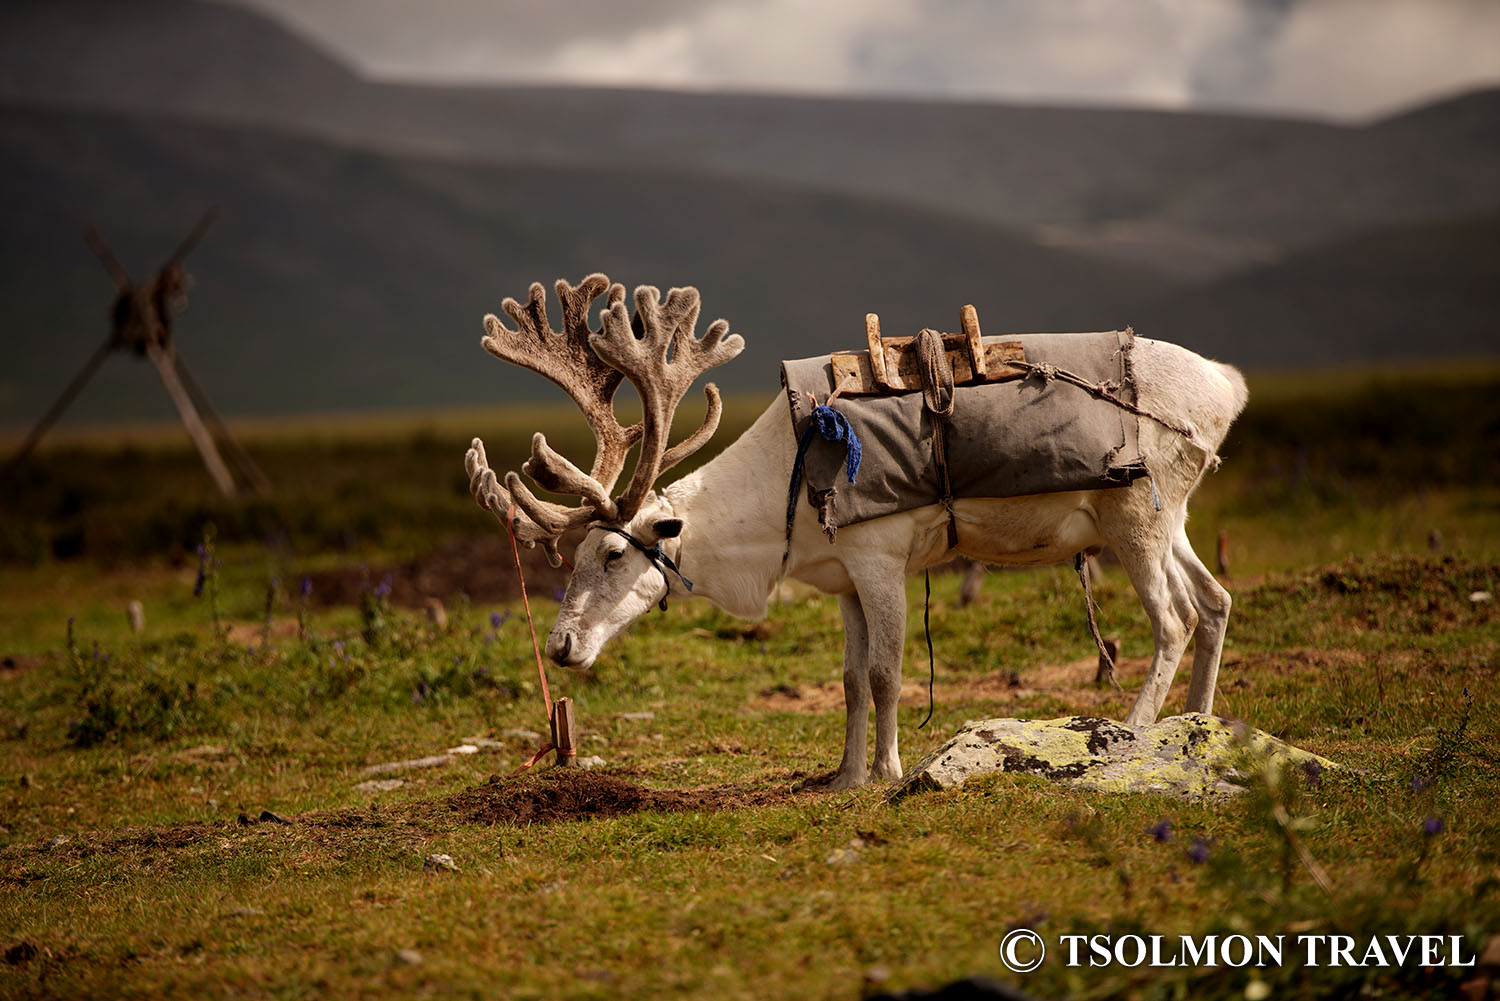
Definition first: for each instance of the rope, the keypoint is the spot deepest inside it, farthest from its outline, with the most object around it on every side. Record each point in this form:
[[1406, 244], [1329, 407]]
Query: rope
[[927, 631], [515, 552], [1103, 390], [1080, 564], [834, 427]]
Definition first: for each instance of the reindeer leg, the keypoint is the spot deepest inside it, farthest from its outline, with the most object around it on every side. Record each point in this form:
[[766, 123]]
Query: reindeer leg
[[882, 591], [1212, 604], [851, 771], [1151, 566]]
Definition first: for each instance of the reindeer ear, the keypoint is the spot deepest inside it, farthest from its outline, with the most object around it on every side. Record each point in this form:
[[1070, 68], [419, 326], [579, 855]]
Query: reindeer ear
[[667, 528]]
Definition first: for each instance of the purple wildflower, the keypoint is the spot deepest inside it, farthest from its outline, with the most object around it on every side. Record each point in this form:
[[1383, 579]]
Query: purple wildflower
[[383, 589], [1419, 782], [497, 620], [1199, 851], [1313, 770], [1161, 830], [558, 594], [1432, 825]]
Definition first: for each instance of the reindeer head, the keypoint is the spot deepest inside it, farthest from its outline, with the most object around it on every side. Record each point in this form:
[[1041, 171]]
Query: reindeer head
[[620, 569]]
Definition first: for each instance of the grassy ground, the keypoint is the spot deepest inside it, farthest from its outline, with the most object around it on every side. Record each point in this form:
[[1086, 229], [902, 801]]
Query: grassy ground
[[130, 761]]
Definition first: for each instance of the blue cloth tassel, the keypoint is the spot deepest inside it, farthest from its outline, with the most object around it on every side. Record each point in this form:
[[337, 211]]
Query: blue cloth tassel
[[834, 427]]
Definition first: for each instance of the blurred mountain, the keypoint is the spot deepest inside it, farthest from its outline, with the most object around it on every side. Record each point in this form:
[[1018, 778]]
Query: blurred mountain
[[1418, 290], [1020, 166], [343, 279], [365, 227]]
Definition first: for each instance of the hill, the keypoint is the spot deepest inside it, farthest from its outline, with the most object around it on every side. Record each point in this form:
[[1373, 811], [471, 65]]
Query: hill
[[1422, 291], [345, 279], [1021, 166]]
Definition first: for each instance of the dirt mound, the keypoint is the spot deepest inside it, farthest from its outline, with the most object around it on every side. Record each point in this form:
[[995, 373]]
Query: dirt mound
[[561, 794], [481, 568]]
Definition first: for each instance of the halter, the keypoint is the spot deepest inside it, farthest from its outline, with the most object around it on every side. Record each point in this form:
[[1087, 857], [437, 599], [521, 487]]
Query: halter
[[658, 558]]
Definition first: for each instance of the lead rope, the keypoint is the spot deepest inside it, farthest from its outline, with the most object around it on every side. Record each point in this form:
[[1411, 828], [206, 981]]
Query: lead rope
[[927, 630], [541, 752]]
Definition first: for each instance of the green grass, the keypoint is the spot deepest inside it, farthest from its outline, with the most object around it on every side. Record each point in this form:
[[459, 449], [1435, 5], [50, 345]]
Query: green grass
[[1349, 637]]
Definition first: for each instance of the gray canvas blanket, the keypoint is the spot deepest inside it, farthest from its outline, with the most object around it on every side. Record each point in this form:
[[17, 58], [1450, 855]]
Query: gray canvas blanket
[[1005, 439]]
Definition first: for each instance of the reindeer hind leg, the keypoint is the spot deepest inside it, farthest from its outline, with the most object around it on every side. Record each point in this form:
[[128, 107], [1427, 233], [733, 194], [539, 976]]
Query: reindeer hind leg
[[1144, 546], [1212, 602]]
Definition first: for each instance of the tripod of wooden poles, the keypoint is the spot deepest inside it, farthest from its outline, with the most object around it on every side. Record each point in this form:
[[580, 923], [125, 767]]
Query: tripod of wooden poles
[[141, 322]]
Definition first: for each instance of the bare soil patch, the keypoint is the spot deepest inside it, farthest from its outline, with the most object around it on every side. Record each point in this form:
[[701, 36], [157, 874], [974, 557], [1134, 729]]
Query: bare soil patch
[[555, 795], [1073, 681], [562, 794], [480, 568]]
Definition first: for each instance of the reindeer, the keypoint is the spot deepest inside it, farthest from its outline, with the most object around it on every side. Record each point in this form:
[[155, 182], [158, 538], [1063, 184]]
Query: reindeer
[[719, 532]]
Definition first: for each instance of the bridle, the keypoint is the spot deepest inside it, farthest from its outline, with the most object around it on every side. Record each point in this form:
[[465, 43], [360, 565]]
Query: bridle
[[658, 558]]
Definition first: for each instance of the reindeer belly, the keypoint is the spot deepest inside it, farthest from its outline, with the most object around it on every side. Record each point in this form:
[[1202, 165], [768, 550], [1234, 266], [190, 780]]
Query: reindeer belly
[[1032, 531]]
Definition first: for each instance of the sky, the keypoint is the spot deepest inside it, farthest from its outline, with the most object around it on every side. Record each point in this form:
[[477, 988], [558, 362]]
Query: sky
[[1342, 59]]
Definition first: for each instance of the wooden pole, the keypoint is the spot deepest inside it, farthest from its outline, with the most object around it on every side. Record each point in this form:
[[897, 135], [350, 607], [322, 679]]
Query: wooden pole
[[1108, 658], [1223, 552], [249, 471], [56, 411], [565, 733], [162, 359]]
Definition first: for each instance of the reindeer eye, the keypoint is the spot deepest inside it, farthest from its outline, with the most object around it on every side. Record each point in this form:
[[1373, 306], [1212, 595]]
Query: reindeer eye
[[613, 555]]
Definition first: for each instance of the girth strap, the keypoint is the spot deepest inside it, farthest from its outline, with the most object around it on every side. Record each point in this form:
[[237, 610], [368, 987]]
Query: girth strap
[[938, 398]]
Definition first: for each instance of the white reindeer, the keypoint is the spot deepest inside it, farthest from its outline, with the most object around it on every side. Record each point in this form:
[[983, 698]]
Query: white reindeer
[[723, 525]]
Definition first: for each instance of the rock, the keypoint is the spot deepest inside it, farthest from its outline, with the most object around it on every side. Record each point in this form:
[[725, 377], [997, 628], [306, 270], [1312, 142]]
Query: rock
[[408, 957], [486, 743], [270, 817], [463, 749], [380, 785], [638, 717], [436, 613], [136, 613], [845, 856], [592, 761], [521, 733], [435, 761], [439, 863], [1193, 755], [58, 841]]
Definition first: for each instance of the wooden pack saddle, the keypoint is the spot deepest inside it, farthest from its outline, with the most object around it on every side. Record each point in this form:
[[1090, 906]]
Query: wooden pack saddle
[[893, 365]]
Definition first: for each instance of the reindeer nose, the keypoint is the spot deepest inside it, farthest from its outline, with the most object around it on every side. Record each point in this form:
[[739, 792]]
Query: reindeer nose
[[559, 651]]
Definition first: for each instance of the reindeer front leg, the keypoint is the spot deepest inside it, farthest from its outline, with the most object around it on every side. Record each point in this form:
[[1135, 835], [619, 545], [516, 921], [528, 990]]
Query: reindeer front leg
[[884, 603], [851, 771], [874, 634]]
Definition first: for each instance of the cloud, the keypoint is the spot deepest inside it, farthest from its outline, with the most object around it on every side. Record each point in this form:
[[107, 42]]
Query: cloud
[[1335, 57]]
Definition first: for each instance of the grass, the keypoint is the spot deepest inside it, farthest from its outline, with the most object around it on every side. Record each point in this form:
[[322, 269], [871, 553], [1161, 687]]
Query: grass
[[1350, 636]]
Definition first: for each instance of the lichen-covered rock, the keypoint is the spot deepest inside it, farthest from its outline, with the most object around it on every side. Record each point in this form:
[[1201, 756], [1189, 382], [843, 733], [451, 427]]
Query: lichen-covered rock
[[1193, 755]]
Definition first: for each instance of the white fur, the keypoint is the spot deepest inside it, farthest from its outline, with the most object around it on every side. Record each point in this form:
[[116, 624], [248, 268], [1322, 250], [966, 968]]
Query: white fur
[[733, 512]]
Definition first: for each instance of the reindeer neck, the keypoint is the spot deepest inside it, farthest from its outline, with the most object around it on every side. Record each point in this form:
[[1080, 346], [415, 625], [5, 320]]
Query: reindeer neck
[[733, 510]]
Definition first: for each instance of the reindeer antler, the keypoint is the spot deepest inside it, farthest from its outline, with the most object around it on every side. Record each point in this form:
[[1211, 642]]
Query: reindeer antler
[[566, 358], [589, 365], [658, 352]]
